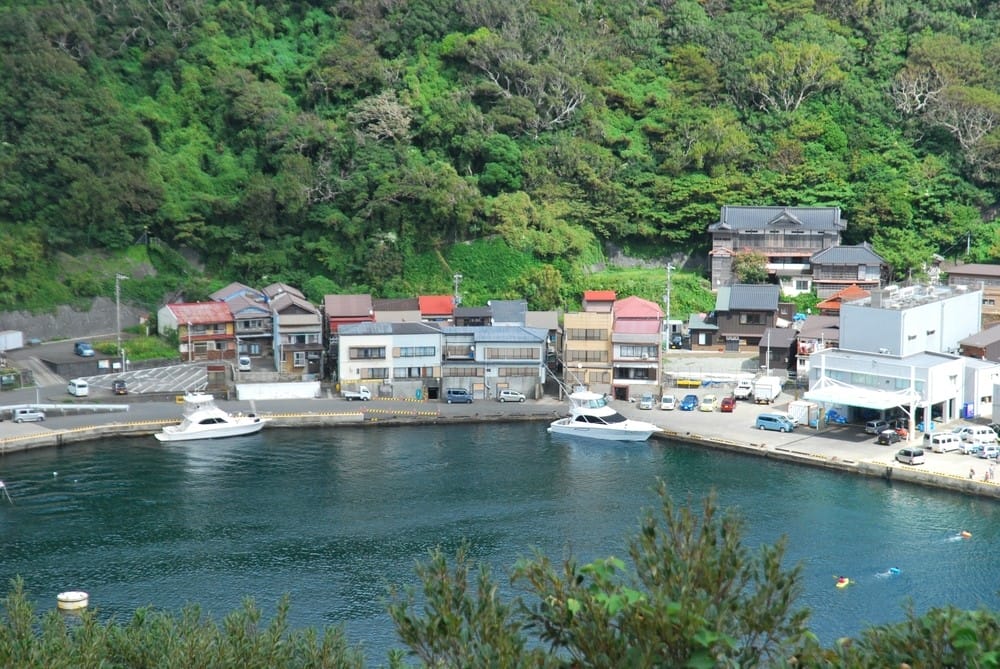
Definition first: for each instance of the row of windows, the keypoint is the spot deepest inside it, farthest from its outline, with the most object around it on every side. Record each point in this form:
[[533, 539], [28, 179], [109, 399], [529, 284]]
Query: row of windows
[[635, 374], [415, 351], [462, 371], [513, 353], [301, 339], [413, 372], [599, 377], [587, 334], [636, 351], [875, 381], [574, 355], [366, 353], [517, 371]]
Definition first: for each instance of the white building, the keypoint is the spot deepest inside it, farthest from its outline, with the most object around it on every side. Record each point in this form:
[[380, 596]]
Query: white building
[[898, 357], [393, 359]]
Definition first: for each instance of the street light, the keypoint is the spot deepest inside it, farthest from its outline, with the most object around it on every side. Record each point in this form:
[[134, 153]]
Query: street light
[[457, 278], [670, 268], [118, 314]]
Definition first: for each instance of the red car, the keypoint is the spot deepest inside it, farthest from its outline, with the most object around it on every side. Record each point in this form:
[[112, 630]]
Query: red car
[[728, 404]]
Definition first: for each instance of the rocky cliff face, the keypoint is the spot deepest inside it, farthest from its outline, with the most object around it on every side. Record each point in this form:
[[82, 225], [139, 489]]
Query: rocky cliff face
[[68, 323]]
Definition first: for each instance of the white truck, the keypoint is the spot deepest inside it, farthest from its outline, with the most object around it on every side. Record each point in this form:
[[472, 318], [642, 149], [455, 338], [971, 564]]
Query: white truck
[[805, 413], [743, 389], [766, 389], [11, 339], [362, 393]]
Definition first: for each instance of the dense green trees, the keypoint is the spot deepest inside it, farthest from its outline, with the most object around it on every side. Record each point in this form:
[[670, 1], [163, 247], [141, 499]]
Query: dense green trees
[[345, 140]]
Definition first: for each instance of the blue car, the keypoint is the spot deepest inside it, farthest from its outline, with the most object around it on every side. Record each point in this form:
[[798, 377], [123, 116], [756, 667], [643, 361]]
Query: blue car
[[689, 403], [83, 348]]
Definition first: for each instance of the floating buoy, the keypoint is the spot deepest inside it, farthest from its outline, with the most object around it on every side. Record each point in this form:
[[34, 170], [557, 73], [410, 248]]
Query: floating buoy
[[966, 534], [893, 570], [843, 582], [72, 600]]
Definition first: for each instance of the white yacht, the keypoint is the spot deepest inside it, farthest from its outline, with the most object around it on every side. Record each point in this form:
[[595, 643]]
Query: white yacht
[[590, 416], [204, 420]]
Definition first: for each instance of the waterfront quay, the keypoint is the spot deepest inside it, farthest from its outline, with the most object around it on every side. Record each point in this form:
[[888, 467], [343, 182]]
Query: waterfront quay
[[843, 448]]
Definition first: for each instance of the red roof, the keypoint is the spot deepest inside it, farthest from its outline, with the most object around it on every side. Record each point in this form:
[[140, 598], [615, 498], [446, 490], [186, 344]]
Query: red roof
[[635, 308], [636, 327], [201, 313], [436, 305], [852, 292], [599, 295]]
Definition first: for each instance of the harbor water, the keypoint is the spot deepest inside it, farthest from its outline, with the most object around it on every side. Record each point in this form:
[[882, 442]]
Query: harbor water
[[332, 517]]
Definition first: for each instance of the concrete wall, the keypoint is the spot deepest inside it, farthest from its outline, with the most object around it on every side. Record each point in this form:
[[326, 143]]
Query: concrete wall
[[278, 391], [68, 323]]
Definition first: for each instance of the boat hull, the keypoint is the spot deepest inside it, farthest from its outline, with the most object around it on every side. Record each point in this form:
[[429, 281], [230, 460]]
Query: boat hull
[[630, 432], [234, 429]]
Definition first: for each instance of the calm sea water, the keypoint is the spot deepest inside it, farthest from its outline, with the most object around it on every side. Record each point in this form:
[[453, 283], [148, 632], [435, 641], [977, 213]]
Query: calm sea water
[[332, 517]]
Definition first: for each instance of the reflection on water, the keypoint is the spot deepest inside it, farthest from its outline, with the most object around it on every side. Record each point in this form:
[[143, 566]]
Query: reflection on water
[[332, 517]]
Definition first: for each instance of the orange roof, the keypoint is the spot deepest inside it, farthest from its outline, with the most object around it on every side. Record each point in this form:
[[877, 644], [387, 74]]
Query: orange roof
[[852, 292], [202, 313], [599, 295], [436, 305]]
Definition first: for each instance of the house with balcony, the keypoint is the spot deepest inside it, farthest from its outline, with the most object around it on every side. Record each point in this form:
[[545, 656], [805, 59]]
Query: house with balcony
[[586, 350], [636, 341], [347, 310], [816, 333], [743, 313], [985, 278], [839, 267], [205, 330], [486, 360], [473, 316], [298, 333], [252, 318], [401, 360], [787, 236]]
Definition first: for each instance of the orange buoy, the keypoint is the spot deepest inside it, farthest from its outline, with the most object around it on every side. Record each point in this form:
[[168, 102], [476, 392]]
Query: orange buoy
[[966, 534]]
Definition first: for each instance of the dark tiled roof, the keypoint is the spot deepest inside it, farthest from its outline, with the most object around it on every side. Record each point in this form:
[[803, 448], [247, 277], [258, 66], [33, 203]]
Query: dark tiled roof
[[753, 297], [347, 306], [763, 218], [509, 311], [778, 337], [847, 255], [982, 338], [972, 270], [396, 304]]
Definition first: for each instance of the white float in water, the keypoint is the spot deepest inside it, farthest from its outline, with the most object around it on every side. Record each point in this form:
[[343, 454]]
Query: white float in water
[[72, 600]]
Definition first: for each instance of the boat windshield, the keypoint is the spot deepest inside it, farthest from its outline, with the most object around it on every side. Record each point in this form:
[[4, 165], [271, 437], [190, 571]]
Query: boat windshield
[[597, 403], [601, 420]]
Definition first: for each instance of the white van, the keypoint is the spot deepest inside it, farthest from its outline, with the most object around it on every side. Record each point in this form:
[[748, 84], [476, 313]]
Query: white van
[[978, 434], [78, 388], [943, 442]]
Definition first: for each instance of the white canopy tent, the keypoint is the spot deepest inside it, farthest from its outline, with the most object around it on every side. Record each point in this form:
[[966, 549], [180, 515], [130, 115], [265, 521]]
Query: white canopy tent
[[831, 391]]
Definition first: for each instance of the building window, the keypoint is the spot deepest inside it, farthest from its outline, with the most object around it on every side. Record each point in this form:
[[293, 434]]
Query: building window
[[750, 319], [462, 371], [513, 353], [636, 351], [586, 356], [413, 372], [802, 284], [587, 334], [506, 372], [366, 353], [416, 352], [299, 359]]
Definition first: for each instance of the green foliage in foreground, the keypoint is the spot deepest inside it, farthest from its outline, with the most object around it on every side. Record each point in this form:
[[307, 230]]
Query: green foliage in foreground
[[691, 595]]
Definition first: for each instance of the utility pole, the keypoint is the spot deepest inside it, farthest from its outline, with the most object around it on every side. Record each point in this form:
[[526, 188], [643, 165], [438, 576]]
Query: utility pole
[[118, 314], [457, 278], [670, 268]]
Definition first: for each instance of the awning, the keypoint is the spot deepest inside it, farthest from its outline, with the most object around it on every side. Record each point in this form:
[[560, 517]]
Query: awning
[[829, 391]]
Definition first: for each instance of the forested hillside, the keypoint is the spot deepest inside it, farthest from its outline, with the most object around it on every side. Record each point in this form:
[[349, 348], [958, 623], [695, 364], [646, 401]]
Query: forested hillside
[[349, 143]]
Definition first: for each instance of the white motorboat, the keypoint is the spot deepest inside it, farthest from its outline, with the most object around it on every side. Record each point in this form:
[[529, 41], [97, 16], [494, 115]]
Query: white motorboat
[[591, 416], [204, 420]]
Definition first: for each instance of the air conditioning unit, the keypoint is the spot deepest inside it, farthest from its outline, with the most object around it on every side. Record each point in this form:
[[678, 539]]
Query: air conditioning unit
[[645, 356]]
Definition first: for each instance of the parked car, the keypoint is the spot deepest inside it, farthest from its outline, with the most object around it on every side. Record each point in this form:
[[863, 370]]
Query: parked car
[[27, 415], [244, 363], [876, 426], [727, 404], [889, 436], [677, 341], [995, 427], [970, 448], [457, 396], [977, 434], [708, 403], [989, 451], [773, 421], [507, 395], [119, 387], [689, 403], [911, 456], [84, 349], [668, 403], [647, 401]]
